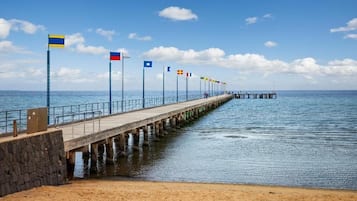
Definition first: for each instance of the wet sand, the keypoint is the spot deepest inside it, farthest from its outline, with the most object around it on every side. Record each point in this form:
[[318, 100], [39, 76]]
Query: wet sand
[[145, 190]]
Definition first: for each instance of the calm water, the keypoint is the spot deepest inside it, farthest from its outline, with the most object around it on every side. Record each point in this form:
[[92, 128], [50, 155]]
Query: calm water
[[302, 138]]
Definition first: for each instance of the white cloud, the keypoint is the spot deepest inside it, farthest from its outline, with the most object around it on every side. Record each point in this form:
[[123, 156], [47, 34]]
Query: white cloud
[[268, 15], [74, 39], [77, 40], [37, 72], [106, 33], [19, 68], [8, 75], [136, 37], [188, 56], [17, 25], [270, 44], [123, 51], [25, 26], [159, 76], [177, 13], [304, 66], [345, 62], [253, 62], [116, 75], [70, 75], [351, 36], [7, 47], [351, 25], [5, 27], [67, 72], [81, 48], [251, 20]]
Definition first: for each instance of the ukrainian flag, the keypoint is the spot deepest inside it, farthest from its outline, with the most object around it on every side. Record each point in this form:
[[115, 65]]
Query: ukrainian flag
[[56, 41]]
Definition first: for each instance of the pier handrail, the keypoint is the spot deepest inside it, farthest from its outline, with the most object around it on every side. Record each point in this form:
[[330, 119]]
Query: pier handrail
[[84, 120], [20, 115]]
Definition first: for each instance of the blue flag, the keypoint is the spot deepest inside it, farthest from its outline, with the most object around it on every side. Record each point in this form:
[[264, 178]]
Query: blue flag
[[168, 69], [147, 64]]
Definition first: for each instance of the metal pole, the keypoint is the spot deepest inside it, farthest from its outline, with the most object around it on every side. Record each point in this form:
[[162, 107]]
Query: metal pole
[[110, 87], [122, 82], [176, 88], [187, 87], [200, 88], [204, 86], [143, 87], [48, 85], [163, 85], [209, 90]]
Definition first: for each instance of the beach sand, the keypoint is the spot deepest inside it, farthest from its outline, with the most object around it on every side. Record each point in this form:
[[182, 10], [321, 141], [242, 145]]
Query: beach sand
[[145, 190]]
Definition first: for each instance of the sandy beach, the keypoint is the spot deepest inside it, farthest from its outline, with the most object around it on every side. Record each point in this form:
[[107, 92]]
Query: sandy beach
[[146, 190]]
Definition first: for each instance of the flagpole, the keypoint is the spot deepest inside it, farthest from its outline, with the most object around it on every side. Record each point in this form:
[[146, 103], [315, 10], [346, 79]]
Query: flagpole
[[48, 83], [110, 87], [204, 85], [211, 83], [176, 88], [163, 85], [209, 90], [122, 83], [200, 88], [187, 87], [143, 87]]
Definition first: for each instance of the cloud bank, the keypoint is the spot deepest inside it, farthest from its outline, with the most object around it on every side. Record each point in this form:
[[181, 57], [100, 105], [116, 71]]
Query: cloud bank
[[253, 62]]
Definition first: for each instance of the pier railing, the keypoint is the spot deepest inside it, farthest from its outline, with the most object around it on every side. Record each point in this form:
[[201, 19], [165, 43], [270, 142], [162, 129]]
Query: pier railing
[[69, 113]]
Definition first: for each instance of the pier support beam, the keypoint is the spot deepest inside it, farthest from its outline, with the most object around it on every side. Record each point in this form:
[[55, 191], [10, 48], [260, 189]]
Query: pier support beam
[[122, 146], [109, 150], [163, 131], [93, 157], [136, 138], [71, 159], [172, 122], [85, 157], [157, 129], [146, 136], [101, 150]]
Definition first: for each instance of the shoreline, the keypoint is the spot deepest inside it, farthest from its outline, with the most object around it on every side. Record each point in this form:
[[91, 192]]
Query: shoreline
[[143, 179], [100, 189]]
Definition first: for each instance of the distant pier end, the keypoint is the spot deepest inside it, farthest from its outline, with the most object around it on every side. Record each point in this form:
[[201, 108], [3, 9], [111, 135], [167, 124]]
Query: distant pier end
[[248, 95]]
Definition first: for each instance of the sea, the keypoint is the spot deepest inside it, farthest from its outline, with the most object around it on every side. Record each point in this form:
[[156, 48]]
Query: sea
[[302, 139]]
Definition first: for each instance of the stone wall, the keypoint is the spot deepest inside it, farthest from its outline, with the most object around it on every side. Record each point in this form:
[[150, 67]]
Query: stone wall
[[29, 161]]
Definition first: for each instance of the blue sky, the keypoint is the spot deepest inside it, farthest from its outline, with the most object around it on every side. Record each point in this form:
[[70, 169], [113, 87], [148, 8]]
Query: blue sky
[[251, 45]]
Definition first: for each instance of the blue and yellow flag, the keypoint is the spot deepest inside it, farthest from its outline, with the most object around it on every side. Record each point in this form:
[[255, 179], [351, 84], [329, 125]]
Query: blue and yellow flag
[[56, 41]]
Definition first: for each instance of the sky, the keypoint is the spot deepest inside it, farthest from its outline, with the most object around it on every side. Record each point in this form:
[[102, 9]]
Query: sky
[[250, 44]]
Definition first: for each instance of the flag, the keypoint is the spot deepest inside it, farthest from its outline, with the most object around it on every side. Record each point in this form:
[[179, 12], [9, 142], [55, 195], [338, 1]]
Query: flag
[[179, 72], [202, 78], [147, 64], [168, 69], [114, 56], [56, 41], [206, 78], [188, 74]]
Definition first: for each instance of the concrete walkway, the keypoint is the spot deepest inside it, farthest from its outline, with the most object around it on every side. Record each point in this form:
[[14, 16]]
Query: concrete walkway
[[80, 134]]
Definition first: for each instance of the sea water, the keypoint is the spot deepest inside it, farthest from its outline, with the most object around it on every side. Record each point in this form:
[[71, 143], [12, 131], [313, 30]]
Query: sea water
[[302, 138]]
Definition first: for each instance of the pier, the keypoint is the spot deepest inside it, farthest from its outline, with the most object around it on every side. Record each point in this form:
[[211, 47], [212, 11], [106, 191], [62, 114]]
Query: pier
[[247, 95], [48, 157], [92, 137]]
